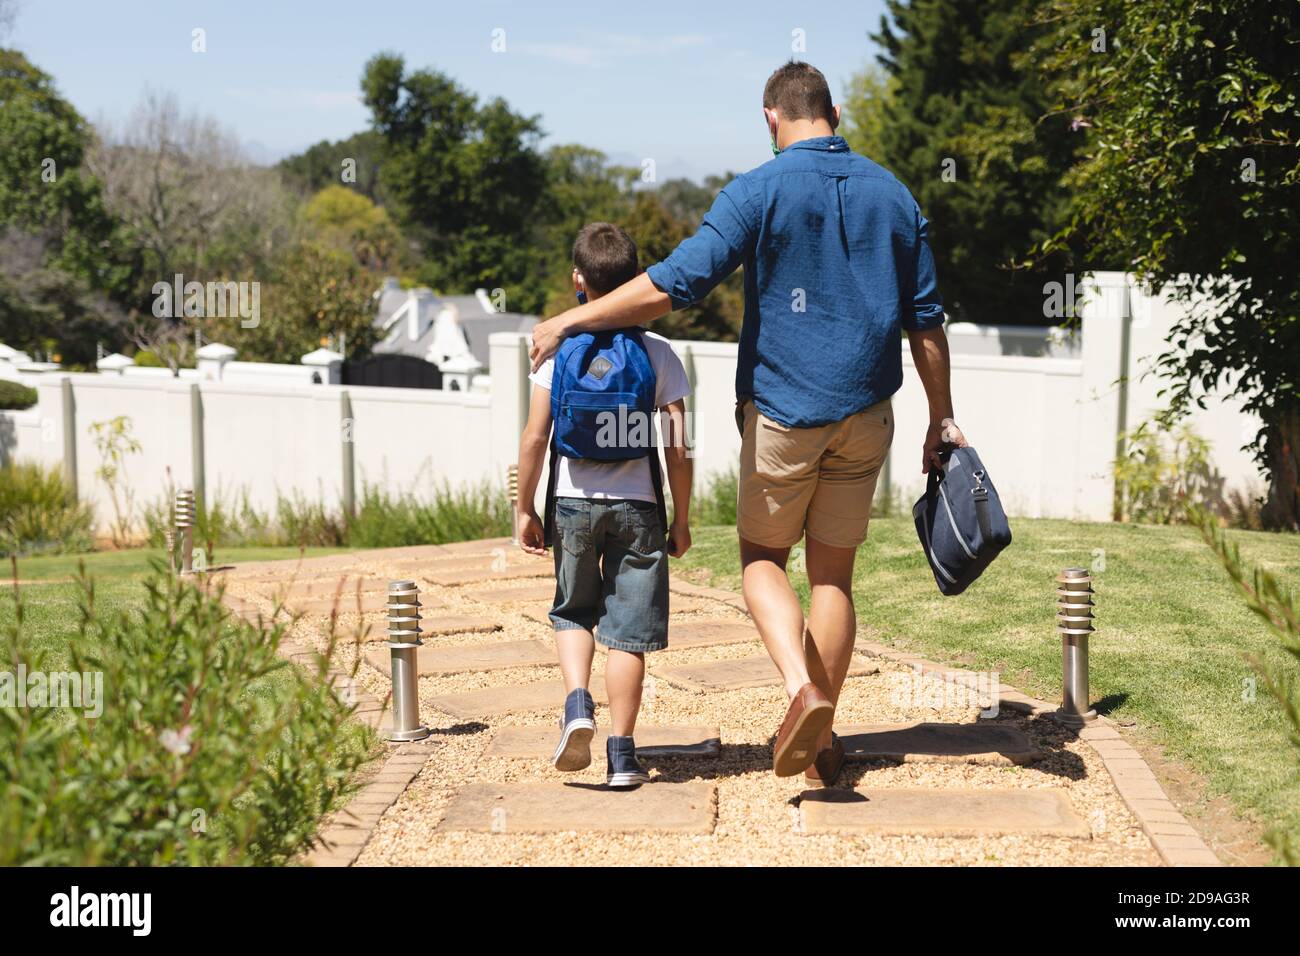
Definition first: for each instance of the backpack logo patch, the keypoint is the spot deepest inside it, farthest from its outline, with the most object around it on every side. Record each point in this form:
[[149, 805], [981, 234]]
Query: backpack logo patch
[[600, 367]]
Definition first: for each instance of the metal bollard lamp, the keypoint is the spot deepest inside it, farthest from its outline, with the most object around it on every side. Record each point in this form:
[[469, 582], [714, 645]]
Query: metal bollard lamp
[[185, 528], [404, 644], [512, 491], [1074, 624]]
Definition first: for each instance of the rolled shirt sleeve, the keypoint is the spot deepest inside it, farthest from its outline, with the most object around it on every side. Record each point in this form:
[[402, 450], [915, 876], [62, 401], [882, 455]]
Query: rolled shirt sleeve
[[722, 242], [927, 304]]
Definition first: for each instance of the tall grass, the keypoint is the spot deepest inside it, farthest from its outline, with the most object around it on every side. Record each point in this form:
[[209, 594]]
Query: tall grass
[[383, 519], [715, 502], [39, 513]]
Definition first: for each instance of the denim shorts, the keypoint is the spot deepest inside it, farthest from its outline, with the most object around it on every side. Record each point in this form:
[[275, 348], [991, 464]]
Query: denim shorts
[[611, 572]]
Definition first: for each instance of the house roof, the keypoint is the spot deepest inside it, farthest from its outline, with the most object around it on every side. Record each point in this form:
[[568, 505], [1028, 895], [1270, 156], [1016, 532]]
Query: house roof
[[477, 320]]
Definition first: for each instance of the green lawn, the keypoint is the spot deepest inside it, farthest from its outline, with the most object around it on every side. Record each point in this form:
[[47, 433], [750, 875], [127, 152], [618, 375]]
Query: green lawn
[[1169, 652], [51, 609]]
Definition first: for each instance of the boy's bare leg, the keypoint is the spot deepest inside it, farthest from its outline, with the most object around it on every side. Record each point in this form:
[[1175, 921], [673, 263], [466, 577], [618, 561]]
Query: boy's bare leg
[[832, 623], [575, 647], [624, 674], [776, 611]]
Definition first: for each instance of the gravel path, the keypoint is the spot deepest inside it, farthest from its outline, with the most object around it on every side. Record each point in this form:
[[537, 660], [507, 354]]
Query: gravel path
[[758, 821]]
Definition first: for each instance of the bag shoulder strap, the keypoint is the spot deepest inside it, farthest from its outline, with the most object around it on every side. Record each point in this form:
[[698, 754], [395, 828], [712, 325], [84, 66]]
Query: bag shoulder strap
[[657, 480], [548, 517]]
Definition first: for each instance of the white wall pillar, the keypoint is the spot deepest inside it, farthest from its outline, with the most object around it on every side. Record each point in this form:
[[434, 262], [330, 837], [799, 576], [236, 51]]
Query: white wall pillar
[[1104, 315], [211, 360], [508, 364]]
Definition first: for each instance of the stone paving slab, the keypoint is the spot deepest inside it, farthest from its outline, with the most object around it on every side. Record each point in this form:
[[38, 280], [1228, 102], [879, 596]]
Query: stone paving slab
[[941, 813], [982, 743], [346, 603], [481, 546], [465, 562], [538, 743], [736, 674], [541, 591], [731, 598], [709, 633], [513, 699], [552, 807], [487, 574], [440, 625], [677, 605], [432, 659]]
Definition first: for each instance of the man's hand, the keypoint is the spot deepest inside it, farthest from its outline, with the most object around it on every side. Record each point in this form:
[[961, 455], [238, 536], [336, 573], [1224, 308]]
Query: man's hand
[[945, 434], [679, 538], [547, 337], [531, 535]]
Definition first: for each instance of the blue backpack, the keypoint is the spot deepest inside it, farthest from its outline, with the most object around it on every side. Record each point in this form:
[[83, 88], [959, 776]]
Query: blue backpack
[[603, 407], [960, 521]]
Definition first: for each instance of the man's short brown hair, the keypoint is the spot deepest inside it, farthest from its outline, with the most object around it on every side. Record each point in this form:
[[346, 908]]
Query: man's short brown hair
[[798, 90], [605, 255]]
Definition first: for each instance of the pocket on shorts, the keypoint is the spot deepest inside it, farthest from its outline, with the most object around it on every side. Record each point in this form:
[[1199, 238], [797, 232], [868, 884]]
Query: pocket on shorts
[[644, 533], [784, 452], [573, 524]]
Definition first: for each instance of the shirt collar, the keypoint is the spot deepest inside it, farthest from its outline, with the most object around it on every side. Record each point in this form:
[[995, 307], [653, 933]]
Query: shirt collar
[[829, 144]]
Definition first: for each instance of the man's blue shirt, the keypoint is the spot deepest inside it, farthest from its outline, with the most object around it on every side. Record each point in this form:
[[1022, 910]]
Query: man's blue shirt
[[837, 261]]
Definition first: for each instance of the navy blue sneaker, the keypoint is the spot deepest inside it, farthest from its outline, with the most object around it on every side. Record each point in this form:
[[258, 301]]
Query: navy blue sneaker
[[576, 730], [624, 769]]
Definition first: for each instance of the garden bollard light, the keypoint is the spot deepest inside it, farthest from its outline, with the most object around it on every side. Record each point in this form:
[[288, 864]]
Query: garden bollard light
[[512, 492], [1074, 624], [185, 528], [404, 644]]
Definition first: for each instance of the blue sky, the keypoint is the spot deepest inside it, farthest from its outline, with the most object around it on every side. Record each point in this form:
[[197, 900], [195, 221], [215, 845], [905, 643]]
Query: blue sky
[[679, 82]]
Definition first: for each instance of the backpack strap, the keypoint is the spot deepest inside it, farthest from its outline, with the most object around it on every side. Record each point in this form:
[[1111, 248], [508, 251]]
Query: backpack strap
[[657, 480], [548, 516]]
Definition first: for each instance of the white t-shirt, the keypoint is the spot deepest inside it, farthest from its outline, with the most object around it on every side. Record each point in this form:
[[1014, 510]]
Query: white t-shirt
[[583, 478]]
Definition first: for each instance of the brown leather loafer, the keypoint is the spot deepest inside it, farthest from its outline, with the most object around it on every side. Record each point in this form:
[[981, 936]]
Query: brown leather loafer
[[796, 742], [827, 764]]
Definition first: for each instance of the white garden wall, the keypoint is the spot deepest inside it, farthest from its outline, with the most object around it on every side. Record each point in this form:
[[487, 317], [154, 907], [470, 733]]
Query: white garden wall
[[1044, 414]]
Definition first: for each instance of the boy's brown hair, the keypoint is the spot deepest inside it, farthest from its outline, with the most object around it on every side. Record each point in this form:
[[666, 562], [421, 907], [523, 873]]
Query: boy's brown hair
[[605, 255], [798, 90]]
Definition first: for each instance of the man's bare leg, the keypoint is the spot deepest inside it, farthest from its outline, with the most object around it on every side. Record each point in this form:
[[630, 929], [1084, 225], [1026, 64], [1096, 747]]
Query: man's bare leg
[[776, 611], [832, 623], [624, 674]]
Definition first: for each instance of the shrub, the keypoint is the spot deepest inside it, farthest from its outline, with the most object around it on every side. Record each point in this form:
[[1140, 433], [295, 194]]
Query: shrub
[[16, 395], [716, 504], [148, 358], [388, 521], [210, 749], [39, 512], [1161, 472], [383, 520]]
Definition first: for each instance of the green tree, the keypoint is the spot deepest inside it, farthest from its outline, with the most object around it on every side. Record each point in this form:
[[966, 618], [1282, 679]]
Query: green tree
[[866, 100], [319, 294], [467, 180], [60, 258], [343, 219], [335, 163], [1191, 178], [657, 233], [964, 128]]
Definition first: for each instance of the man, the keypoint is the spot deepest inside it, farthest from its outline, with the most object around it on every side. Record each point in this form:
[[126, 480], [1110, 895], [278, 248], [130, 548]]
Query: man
[[837, 261]]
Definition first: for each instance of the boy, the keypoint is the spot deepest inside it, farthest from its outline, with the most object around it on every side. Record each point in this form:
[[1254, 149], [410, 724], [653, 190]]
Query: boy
[[611, 552]]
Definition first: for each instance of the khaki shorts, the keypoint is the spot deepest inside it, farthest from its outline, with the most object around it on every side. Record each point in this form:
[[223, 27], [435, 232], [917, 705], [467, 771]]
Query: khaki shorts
[[815, 480]]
